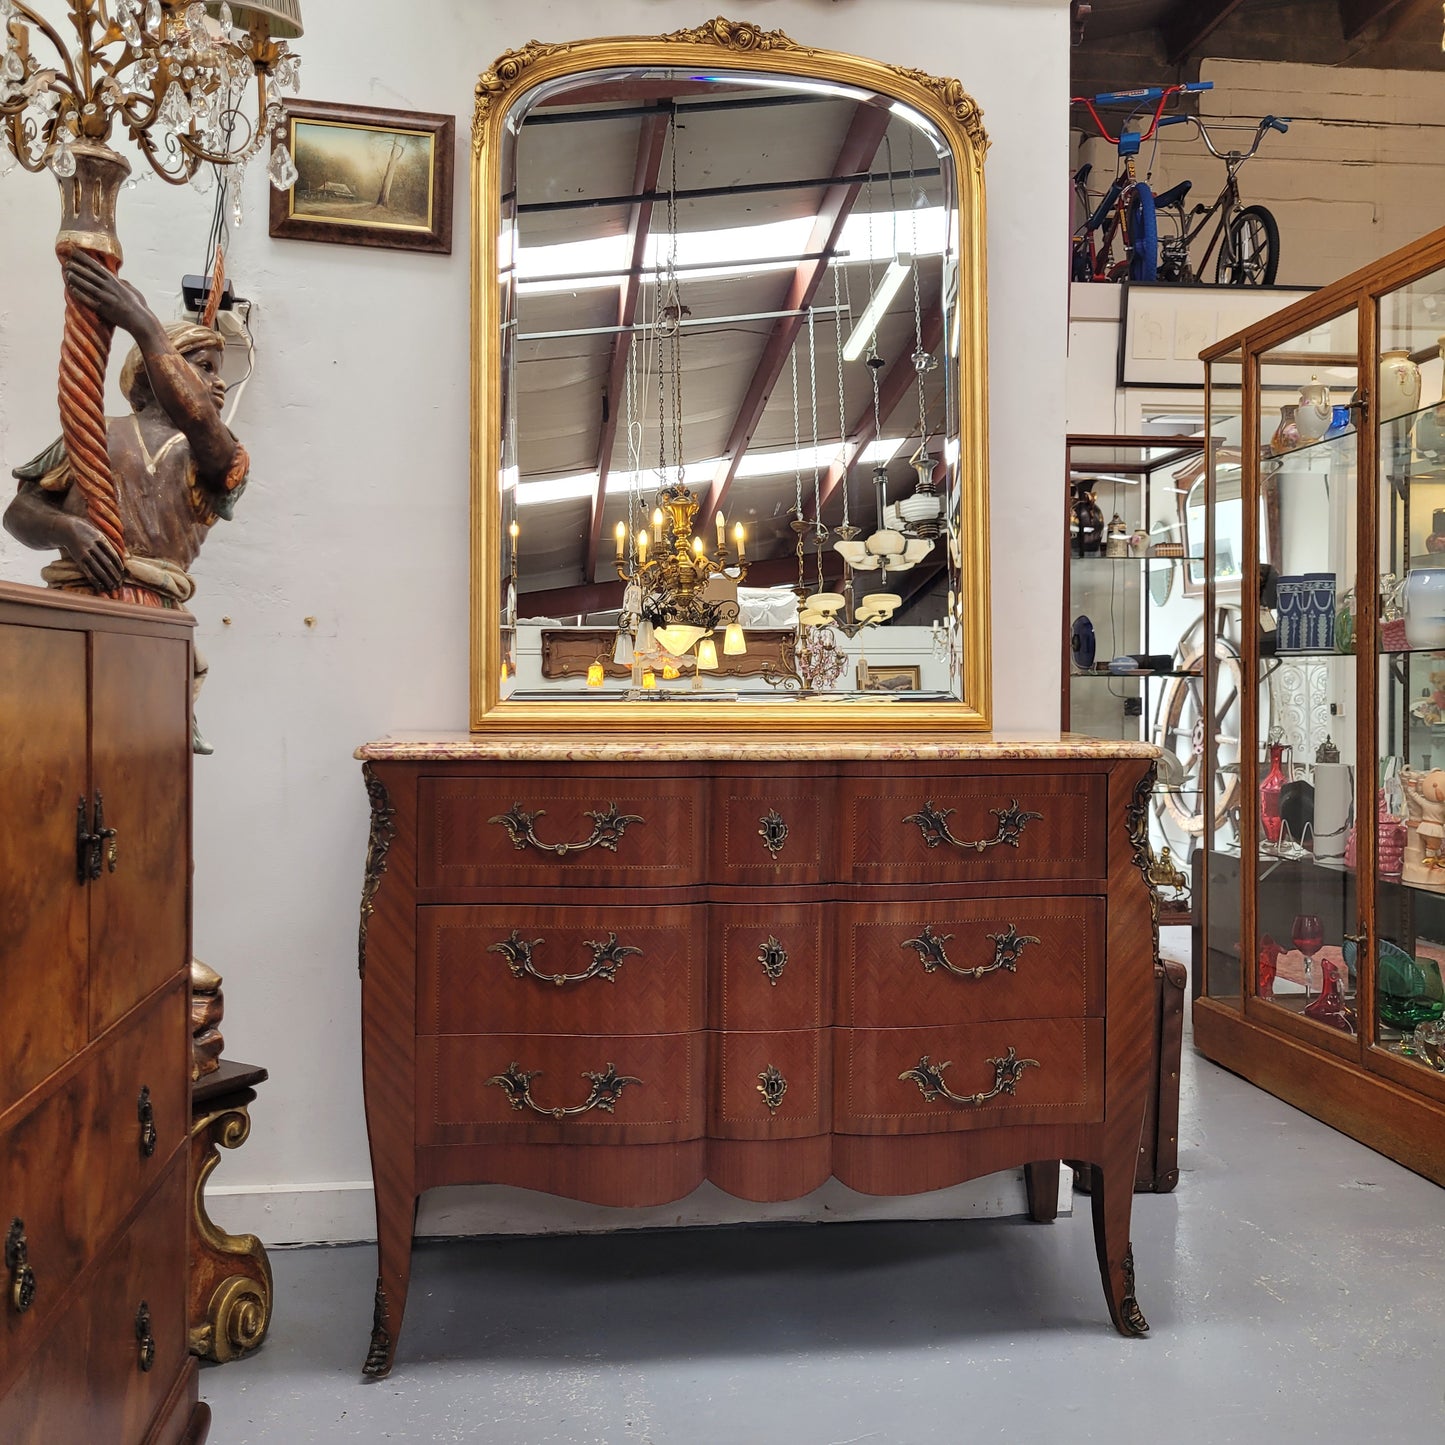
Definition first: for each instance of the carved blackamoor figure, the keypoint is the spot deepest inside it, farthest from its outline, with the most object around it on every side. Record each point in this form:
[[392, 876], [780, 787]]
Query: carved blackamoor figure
[[177, 470]]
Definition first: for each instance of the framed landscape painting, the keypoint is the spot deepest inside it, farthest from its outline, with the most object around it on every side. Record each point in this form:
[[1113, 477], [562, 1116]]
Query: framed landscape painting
[[367, 177]]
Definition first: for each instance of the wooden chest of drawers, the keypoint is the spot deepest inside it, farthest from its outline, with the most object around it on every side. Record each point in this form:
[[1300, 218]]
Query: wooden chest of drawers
[[609, 973], [95, 787]]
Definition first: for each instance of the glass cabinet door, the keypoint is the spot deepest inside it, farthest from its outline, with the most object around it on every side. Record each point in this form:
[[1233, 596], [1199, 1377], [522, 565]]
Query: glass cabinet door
[[1405, 1012], [1303, 747]]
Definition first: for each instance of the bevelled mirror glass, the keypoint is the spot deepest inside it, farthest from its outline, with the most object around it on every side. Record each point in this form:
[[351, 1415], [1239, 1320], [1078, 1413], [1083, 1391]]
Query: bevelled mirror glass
[[730, 390]]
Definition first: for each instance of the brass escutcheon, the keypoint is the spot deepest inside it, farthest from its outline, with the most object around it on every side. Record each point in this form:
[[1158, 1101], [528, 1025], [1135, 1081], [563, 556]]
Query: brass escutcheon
[[774, 958], [773, 831], [22, 1277], [772, 1086]]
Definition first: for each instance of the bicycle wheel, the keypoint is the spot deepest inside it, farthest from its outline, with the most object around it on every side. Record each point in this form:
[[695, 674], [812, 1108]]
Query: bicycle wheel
[[1143, 235], [1250, 253]]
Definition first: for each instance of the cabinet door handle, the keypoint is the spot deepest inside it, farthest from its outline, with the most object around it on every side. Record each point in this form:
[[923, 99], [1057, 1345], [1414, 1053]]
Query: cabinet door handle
[[146, 1114], [1008, 948], [1007, 1072], [22, 1277], [773, 831], [90, 853], [772, 1086], [103, 837], [607, 957], [608, 826], [933, 824], [144, 1338], [606, 1089], [85, 842]]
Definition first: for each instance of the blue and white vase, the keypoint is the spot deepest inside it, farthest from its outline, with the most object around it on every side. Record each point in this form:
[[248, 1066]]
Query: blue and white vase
[[1319, 618], [1293, 594]]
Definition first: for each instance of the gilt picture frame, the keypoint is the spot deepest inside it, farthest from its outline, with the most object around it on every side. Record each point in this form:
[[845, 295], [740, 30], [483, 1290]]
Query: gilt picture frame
[[889, 678], [368, 177]]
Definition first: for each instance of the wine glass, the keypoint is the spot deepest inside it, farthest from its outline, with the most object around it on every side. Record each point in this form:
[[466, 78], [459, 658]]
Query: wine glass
[[1308, 936]]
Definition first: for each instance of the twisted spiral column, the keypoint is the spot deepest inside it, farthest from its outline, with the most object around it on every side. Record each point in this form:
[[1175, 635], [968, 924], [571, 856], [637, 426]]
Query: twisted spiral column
[[88, 202]]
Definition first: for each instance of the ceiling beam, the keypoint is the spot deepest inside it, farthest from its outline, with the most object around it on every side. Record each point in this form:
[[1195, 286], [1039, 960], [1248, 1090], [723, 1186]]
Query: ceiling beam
[[1356, 16], [650, 143], [902, 377], [1188, 23], [860, 146]]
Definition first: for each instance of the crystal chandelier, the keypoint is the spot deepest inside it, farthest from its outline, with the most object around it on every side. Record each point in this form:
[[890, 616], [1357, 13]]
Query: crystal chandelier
[[176, 78]]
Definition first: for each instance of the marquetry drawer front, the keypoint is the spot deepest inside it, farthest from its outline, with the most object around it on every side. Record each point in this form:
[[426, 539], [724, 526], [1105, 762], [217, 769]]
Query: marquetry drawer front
[[74, 1165], [767, 966], [769, 1085], [515, 969], [970, 1076], [941, 962], [105, 1369], [538, 1088], [923, 829], [550, 832], [770, 830]]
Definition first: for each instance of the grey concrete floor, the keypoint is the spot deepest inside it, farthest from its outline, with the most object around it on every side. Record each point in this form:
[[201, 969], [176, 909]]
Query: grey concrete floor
[[1294, 1284]]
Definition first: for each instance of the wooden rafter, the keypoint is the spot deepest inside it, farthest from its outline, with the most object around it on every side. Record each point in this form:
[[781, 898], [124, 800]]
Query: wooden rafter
[[1188, 23], [651, 141], [860, 145], [1356, 16]]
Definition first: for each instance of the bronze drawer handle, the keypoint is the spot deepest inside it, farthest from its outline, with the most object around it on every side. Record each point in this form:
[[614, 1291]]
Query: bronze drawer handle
[[607, 957], [146, 1114], [1008, 948], [608, 826], [606, 1089], [772, 1086], [1006, 1074], [145, 1340], [22, 1277], [773, 831], [933, 824]]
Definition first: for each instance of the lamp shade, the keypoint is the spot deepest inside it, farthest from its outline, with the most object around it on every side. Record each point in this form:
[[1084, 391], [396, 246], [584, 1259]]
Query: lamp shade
[[734, 641], [707, 655], [916, 549], [281, 19], [851, 552], [677, 637], [885, 542]]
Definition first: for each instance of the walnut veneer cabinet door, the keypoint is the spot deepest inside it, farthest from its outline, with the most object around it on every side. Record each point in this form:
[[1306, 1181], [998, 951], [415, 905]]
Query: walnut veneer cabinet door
[[95, 790]]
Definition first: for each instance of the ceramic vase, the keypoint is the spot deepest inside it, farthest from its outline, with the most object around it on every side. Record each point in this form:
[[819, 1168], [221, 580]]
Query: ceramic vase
[[1424, 599], [1313, 413], [1399, 392], [1286, 435], [1292, 596], [1318, 632]]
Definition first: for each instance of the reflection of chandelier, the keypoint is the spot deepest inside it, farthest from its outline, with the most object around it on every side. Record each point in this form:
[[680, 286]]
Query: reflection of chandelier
[[669, 583]]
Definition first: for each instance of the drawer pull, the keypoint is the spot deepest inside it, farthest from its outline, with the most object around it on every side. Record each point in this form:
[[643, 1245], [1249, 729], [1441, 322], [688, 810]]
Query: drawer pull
[[773, 831], [608, 826], [774, 959], [607, 958], [22, 1277], [145, 1340], [933, 824], [1007, 1072], [1008, 948], [146, 1114], [772, 1086], [606, 1089]]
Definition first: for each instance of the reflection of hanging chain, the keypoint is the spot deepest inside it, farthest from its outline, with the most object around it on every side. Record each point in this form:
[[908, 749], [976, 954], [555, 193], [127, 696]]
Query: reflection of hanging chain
[[813, 398], [840, 332], [674, 302], [922, 362]]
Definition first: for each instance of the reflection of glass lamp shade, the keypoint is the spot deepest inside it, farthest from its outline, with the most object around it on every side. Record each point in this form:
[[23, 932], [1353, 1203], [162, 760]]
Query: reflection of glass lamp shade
[[855, 554], [677, 637], [734, 642], [594, 675], [809, 617], [622, 650], [707, 655], [885, 542], [867, 563], [916, 550]]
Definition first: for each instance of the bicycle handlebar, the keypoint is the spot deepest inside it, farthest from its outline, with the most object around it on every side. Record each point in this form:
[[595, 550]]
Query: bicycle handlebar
[[1269, 122], [1141, 98]]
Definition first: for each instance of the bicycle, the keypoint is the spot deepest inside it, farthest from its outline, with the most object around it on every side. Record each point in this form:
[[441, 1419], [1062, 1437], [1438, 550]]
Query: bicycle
[[1247, 236], [1126, 214]]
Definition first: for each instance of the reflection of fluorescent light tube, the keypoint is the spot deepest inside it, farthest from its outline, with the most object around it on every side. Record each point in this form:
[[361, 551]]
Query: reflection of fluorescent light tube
[[888, 288]]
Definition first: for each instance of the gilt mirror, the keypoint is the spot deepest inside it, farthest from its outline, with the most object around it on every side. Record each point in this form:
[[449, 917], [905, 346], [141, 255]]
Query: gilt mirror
[[729, 390]]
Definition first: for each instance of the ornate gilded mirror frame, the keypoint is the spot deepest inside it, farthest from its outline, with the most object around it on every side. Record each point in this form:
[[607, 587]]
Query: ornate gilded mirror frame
[[717, 46]]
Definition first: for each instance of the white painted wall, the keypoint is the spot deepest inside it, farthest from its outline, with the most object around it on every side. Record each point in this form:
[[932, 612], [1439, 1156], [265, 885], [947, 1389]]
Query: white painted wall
[[1359, 173], [344, 577]]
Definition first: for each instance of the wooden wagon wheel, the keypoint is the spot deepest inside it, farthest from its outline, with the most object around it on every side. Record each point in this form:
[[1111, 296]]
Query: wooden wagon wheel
[[1183, 725]]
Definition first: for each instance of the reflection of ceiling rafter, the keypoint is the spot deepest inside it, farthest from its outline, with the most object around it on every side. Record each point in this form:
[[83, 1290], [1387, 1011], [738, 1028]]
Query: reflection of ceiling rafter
[[860, 145], [899, 383], [1190, 22], [650, 144]]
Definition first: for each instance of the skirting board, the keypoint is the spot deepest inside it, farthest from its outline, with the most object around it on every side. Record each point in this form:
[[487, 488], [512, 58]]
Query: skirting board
[[344, 1213]]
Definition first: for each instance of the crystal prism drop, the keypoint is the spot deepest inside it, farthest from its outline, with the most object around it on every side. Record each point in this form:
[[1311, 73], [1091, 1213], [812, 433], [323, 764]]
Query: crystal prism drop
[[201, 181], [153, 18], [225, 19], [175, 110], [144, 73], [12, 67], [61, 160], [282, 169], [234, 177], [196, 24]]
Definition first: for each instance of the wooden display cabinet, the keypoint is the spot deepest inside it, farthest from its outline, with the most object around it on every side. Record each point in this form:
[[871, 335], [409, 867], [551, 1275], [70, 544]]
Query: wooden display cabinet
[[1320, 945]]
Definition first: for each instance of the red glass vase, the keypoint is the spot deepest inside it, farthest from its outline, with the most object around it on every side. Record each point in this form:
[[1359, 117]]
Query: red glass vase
[[1269, 819]]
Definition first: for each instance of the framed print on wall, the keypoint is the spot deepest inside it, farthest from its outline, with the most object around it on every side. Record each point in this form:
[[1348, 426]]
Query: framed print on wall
[[367, 177]]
